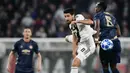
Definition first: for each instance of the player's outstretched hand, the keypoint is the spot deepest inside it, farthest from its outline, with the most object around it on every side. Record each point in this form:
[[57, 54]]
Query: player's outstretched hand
[[73, 22]]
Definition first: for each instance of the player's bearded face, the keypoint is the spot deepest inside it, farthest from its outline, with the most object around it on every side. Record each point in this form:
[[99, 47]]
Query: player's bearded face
[[27, 33], [68, 17]]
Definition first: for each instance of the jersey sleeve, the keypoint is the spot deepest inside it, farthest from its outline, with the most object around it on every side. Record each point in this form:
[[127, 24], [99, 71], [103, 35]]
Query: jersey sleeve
[[96, 16], [15, 47], [79, 17], [36, 48]]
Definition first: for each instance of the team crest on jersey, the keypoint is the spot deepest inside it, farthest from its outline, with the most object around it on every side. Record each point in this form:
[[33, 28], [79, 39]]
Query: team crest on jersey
[[30, 46], [21, 46]]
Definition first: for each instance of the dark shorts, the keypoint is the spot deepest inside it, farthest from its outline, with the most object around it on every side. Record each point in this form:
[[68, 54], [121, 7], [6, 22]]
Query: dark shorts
[[16, 71], [111, 56], [21, 70]]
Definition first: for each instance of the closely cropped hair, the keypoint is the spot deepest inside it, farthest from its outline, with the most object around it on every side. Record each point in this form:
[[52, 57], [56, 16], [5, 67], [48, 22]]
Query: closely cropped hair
[[102, 5], [27, 28], [69, 10]]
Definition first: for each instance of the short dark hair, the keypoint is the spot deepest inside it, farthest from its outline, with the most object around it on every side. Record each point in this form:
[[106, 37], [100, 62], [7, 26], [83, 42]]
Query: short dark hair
[[101, 5], [27, 27], [69, 10]]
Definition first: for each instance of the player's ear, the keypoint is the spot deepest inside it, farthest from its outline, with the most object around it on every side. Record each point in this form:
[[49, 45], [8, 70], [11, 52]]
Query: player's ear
[[31, 33], [73, 15], [23, 33]]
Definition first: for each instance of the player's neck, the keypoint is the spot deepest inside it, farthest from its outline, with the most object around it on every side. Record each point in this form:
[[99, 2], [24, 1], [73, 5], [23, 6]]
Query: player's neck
[[101, 11], [26, 39]]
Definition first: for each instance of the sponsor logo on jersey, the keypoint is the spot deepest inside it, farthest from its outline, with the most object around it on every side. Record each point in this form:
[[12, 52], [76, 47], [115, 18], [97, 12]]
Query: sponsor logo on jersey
[[26, 51], [21, 46]]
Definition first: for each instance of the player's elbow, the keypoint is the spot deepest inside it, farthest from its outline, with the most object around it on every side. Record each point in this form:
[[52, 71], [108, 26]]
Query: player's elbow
[[11, 54], [38, 55], [118, 35]]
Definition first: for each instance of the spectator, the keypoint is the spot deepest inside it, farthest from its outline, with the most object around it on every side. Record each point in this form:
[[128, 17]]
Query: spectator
[[44, 13], [41, 33], [61, 32], [27, 21], [3, 22], [52, 29]]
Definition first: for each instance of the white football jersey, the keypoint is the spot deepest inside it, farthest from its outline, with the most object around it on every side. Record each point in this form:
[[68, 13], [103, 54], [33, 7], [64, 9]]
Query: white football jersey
[[82, 30]]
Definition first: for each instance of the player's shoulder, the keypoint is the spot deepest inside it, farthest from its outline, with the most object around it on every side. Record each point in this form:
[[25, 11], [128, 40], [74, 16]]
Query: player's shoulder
[[111, 15], [33, 42], [79, 17], [98, 14], [18, 42]]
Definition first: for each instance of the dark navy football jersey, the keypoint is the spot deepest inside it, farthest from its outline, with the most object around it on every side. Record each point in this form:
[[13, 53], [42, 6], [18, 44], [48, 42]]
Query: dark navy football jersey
[[25, 51], [107, 25]]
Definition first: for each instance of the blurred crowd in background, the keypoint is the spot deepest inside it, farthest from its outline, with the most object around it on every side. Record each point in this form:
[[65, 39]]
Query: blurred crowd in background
[[46, 19]]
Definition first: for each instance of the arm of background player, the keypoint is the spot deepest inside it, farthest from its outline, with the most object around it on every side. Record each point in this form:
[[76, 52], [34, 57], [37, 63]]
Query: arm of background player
[[74, 44], [39, 58], [118, 30], [39, 62], [11, 61], [86, 22], [97, 28]]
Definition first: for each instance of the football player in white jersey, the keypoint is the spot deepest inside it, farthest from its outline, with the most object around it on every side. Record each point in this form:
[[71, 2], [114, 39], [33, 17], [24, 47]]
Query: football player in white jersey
[[81, 38]]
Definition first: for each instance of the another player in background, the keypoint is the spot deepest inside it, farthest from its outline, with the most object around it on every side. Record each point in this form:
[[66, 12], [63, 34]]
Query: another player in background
[[25, 49], [107, 28], [81, 38]]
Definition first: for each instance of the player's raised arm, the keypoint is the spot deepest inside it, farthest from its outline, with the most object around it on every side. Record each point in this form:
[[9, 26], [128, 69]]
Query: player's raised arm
[[81, 20], [97, 28], [86, 22], [118, 30]]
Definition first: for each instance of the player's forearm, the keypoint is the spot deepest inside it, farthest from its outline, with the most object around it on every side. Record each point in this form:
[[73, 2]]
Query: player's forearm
[[97, 28], [10, 55], [96, 36], [118, 30], [74, 44], [39, 59], [74, 47], [87, 22]]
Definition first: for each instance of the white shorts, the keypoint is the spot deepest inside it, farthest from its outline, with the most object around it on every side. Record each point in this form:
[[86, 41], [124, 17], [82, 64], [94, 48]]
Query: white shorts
[[85, 49]]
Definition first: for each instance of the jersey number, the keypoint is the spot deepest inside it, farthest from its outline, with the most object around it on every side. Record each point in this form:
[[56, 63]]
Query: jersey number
[[85, 51], [109, 21]]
